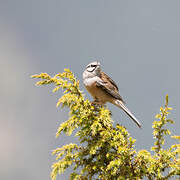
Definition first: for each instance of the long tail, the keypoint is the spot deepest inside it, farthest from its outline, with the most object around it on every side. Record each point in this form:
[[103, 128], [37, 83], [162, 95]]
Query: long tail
[[121, 105]]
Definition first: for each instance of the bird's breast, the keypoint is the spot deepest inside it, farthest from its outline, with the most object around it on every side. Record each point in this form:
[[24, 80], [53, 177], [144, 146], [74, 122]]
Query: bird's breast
[[90, 81], [96, 92]]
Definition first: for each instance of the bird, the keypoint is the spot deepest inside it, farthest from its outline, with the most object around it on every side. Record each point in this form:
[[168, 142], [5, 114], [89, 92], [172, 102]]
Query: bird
[[103, 89]]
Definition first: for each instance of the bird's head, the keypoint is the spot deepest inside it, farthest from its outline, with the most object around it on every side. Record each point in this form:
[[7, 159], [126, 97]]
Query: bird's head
[[94, 68]]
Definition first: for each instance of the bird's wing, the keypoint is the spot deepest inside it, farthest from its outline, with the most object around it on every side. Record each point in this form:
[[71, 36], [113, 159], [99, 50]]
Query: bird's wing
[[109, 86], [105, 77]]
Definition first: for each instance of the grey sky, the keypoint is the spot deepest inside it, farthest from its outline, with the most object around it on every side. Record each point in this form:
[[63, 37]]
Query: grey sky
[[137, 43]]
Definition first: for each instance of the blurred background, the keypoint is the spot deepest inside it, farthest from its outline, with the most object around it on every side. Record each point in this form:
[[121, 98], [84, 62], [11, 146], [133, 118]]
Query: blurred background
[[137, 43]]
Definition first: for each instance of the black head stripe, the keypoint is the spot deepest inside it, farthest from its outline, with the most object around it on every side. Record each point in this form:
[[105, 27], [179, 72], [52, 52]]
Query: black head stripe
[[92, 65]]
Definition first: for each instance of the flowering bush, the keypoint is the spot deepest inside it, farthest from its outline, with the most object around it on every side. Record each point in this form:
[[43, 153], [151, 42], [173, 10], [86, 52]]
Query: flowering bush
[[107, 152]]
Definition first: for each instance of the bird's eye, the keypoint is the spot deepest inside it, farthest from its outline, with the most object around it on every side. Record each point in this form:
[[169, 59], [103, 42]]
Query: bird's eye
[[93, 65]]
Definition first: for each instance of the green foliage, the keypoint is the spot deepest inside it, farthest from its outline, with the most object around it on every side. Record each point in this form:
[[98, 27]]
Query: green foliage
[[106, 152]]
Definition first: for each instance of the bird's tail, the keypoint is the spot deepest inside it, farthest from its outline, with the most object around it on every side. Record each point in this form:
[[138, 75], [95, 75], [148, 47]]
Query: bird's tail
[[121, 105]]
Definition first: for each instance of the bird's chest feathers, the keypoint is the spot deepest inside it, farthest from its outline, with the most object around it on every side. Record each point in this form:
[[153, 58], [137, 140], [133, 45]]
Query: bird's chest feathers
[[96, 92], [88, 82]]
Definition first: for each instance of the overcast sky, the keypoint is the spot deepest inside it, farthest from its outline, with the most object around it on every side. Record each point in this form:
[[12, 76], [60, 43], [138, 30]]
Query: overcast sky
[[137, 43]]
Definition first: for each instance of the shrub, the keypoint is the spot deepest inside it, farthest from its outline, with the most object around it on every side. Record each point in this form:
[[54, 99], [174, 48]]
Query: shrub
[[107, 152]]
